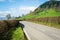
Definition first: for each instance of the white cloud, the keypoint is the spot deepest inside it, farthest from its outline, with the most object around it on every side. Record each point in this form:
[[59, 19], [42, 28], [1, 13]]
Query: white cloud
[[21, 10], [4, 13], [26, 9], [18, 11], [14, 11]]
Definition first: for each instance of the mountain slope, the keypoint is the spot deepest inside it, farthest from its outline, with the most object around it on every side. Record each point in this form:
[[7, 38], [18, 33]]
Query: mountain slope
[[47, 5]]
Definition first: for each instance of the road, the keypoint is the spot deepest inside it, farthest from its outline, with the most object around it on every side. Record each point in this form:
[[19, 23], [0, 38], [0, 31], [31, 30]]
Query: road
[[40, 32]]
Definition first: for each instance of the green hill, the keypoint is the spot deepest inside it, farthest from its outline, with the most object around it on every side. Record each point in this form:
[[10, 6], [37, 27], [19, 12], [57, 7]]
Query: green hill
[[47, 5], [47, 9], [47, 13]]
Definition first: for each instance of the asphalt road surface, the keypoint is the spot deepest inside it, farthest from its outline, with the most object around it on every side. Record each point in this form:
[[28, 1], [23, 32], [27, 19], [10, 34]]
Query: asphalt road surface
[[40, 32]]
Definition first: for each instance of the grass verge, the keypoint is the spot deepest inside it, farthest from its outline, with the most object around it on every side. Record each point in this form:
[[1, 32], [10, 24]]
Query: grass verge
[[48, 24], [16, 34]]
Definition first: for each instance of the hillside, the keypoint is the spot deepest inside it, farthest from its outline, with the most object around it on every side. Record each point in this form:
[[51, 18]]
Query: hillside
[[47, 9], [47, 5], [47, 13]]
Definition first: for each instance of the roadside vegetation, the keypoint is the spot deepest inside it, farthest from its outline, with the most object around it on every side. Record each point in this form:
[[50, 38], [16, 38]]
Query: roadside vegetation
[[11, 30], [18, 34]]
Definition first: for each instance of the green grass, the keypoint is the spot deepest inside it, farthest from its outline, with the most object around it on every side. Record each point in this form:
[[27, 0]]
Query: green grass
[[46, 13], [17, 34]]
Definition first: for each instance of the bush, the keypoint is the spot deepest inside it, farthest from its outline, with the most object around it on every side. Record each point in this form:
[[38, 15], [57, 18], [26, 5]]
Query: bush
[[5, 26], [12, 23], [3, 29]]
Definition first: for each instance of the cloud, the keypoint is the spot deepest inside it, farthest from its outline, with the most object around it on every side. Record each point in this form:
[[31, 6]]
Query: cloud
[[4, 13], [21, 10], [14, 12], [26, 9]]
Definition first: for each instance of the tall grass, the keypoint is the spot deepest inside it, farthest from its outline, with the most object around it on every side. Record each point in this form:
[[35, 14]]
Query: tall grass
[[17, 34]]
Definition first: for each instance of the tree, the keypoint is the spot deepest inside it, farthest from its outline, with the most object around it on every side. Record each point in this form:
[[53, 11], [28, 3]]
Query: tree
[[8, 16]]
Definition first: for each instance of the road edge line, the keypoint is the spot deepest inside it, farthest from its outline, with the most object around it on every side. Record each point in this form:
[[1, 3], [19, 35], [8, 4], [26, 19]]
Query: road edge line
[[26, 34]]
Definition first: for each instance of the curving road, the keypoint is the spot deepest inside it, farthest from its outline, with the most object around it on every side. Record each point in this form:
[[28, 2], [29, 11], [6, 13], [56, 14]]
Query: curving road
[[40, 32]]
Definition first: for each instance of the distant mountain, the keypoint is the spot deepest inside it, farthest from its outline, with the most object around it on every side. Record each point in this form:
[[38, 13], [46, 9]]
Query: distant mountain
[[48, 5]]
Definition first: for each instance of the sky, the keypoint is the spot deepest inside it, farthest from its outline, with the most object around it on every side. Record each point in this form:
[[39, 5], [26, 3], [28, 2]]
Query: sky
[[18, 7]]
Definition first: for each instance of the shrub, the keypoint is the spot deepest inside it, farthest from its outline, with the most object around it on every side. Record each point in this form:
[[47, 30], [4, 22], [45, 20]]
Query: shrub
[[12, 23], [5, 26], [3, 29]]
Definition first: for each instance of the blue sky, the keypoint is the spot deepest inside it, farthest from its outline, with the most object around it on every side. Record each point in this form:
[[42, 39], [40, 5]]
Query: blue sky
[[18, 7]]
